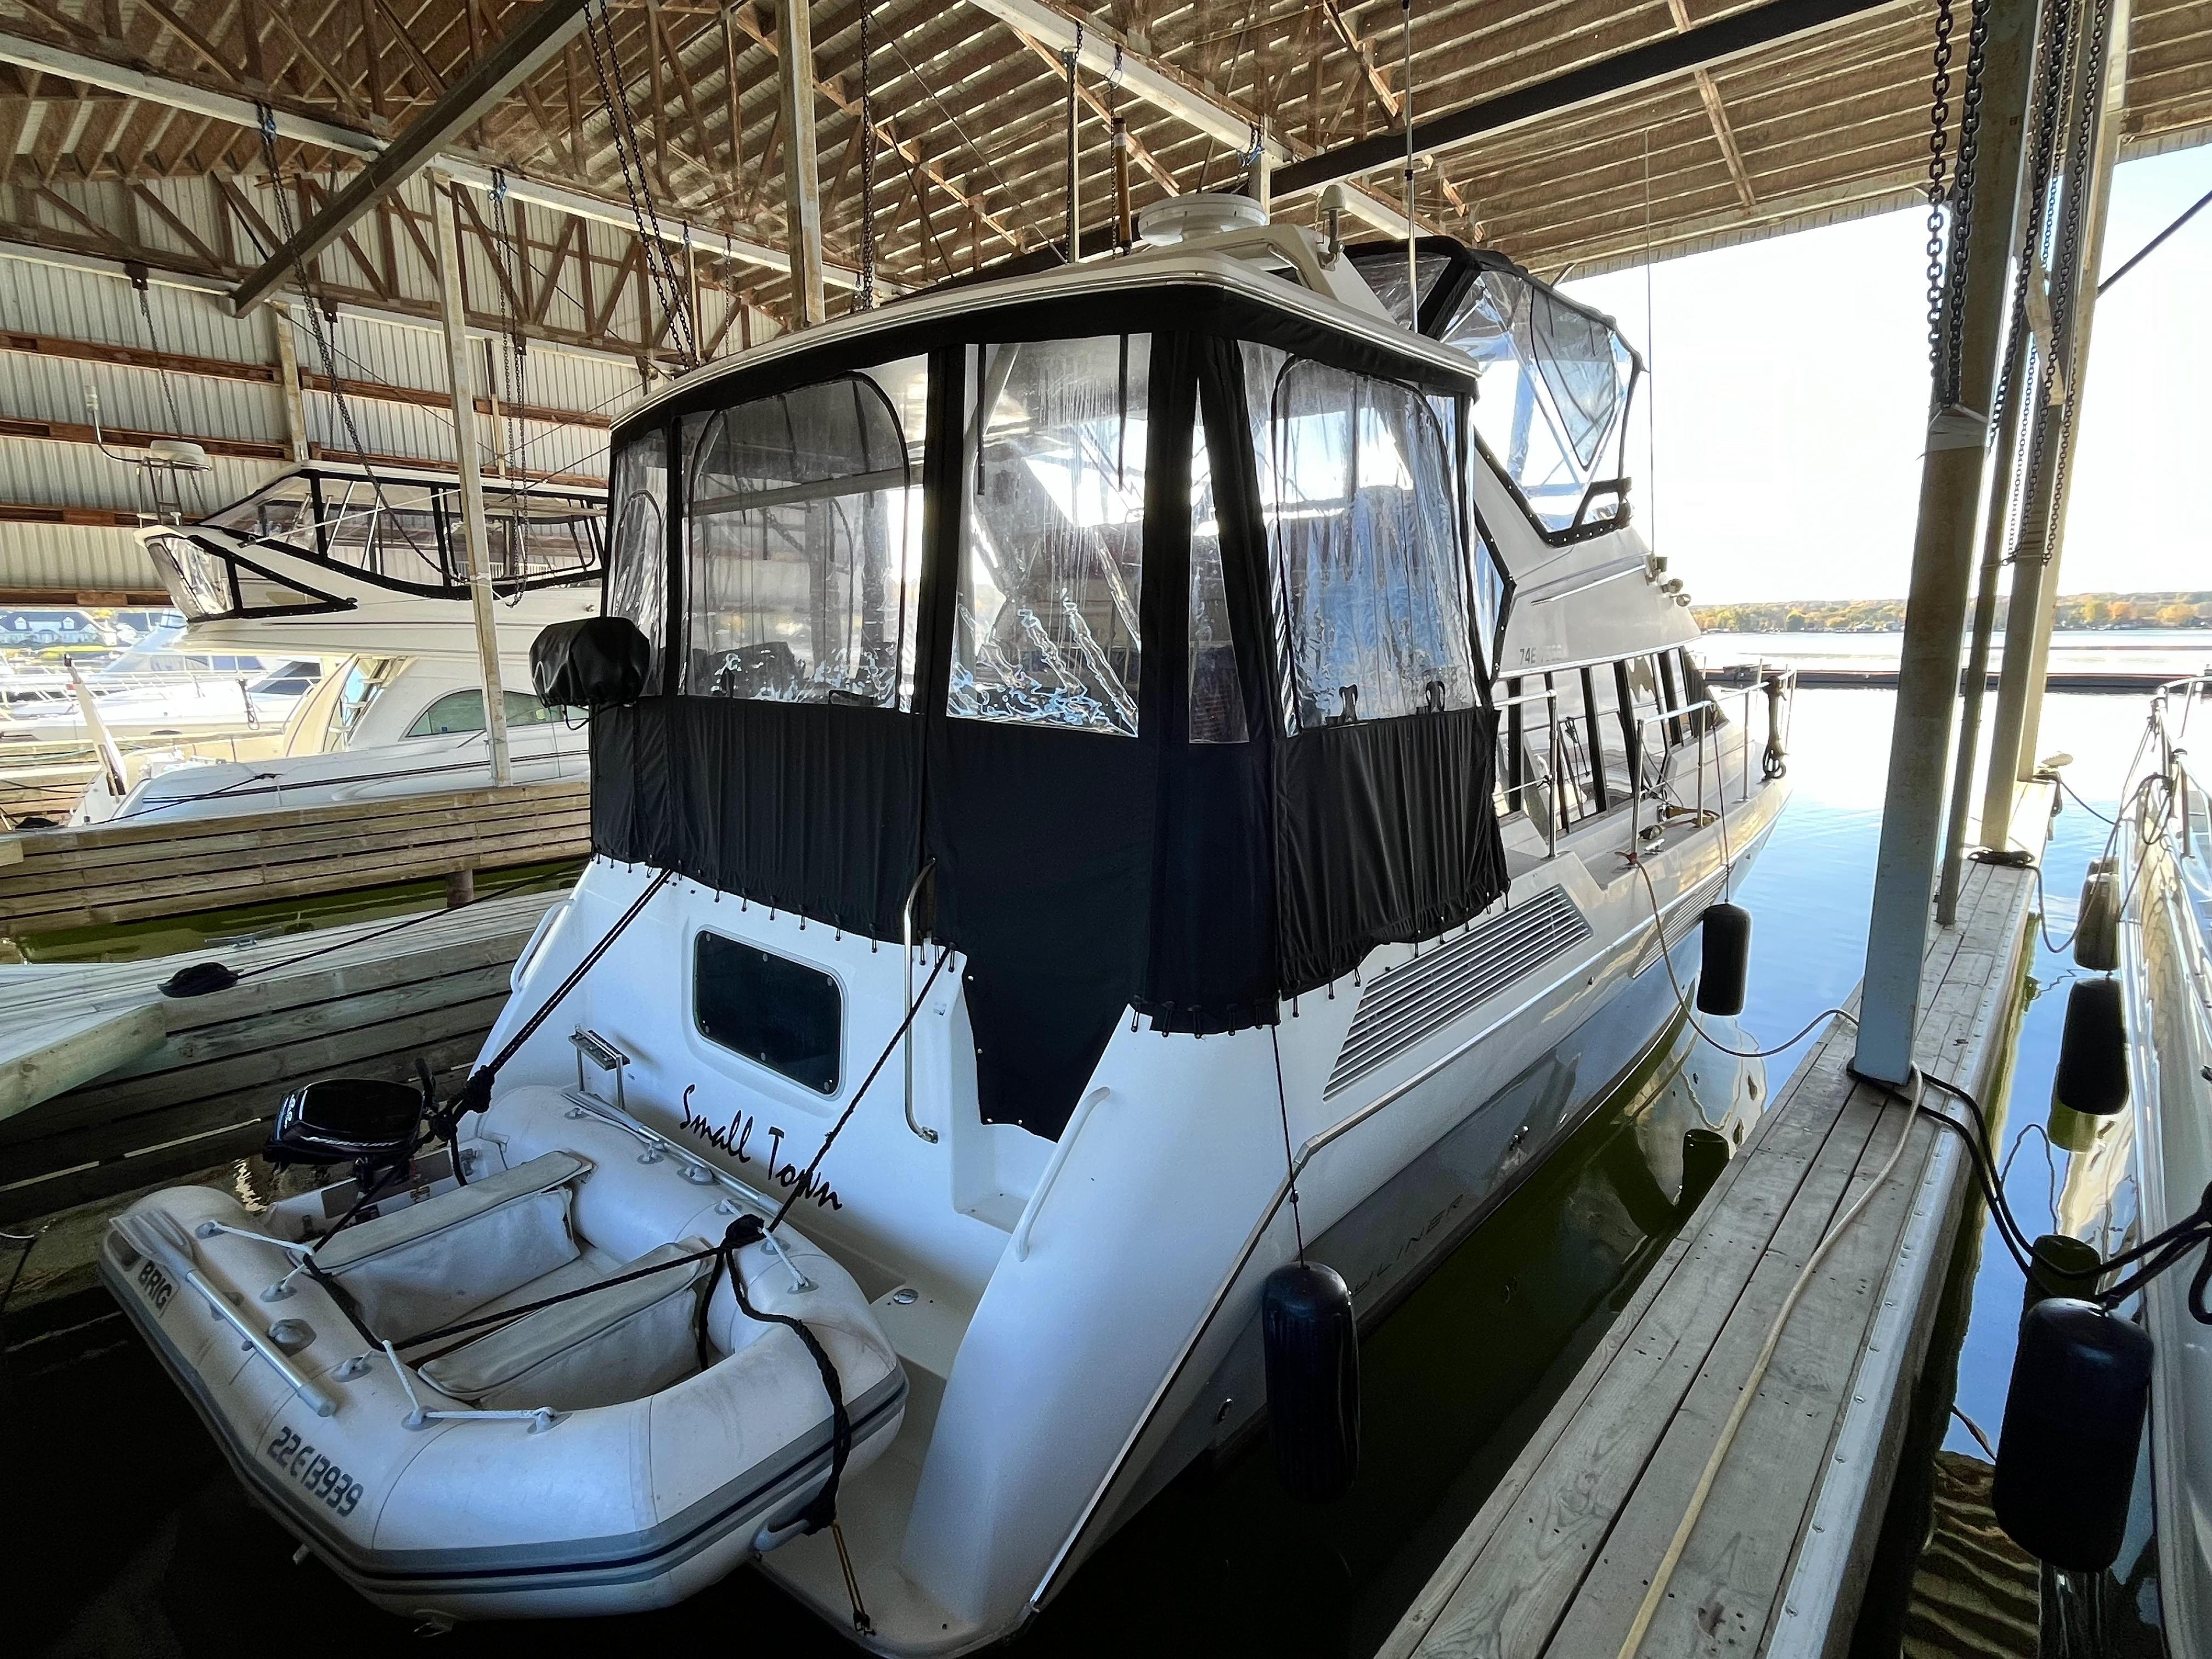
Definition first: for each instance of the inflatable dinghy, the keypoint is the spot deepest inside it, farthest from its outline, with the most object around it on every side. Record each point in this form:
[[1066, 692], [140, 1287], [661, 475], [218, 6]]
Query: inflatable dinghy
[[586, 1380]]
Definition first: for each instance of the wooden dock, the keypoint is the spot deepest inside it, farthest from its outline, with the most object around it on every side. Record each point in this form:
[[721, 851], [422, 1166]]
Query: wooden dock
[[126, 871], [1560, 1561], [131, 1087]]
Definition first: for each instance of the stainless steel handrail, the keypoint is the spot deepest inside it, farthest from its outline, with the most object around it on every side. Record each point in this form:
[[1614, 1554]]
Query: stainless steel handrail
[[906, 1041]]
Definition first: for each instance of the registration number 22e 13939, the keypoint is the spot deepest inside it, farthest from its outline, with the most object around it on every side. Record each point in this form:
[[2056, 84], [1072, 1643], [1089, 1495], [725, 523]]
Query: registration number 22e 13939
[[316, 1473]]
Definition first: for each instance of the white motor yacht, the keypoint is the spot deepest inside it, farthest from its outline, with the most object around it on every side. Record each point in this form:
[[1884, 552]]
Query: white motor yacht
[[374, 729], [367, 569], [166, 685], [341, 558], [2164, 944], [1107, 784]]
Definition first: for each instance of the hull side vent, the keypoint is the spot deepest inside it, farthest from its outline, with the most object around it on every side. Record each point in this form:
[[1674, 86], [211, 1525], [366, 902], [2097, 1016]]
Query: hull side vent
[[1421, 997], [1680, 921]]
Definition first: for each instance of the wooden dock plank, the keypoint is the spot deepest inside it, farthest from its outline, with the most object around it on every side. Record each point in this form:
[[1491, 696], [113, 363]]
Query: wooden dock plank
[[117, 873], [43, 1057], [1560, 1559]]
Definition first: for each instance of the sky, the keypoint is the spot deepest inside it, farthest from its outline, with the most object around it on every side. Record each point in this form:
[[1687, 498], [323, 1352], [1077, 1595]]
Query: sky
[[1790, 389]]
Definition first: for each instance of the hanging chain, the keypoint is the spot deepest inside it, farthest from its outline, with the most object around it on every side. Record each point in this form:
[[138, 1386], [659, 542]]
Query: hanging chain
[[1962, 205], [2063, 300], [2050, 79], [1939, 124], [865, 300], [667, 286]]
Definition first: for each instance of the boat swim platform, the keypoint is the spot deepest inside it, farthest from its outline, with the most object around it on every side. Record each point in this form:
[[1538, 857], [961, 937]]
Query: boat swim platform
[[1559, 1561]]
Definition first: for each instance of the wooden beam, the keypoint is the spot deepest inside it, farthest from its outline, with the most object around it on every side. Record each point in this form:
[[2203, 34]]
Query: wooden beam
[[802, 179], [1709, 94], [886, 135], [1657, 60], [1372, 73], [1138, 152], [543, 30]]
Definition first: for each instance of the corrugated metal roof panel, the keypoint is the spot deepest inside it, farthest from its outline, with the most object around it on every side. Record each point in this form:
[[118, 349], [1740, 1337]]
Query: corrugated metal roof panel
[[42, 555]]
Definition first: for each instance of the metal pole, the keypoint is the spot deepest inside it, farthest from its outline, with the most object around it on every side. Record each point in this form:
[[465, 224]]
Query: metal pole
[[2095, 111], [474, 531], [2113, 102], [1122, 225], [1942, 565], [1995, 505]]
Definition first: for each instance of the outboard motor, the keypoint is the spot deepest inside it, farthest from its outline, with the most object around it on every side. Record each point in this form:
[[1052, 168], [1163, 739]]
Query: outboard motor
[[1312, 1351], [374, 1126], [2073, 1426]]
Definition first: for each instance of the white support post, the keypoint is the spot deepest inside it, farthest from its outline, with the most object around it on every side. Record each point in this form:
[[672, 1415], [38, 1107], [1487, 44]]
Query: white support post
[[2086, 192], [475, 533], [1951, 494]]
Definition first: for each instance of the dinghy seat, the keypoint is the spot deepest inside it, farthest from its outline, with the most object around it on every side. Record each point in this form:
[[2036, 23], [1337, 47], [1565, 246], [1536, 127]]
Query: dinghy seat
[[431, 1263], [599, 1349]]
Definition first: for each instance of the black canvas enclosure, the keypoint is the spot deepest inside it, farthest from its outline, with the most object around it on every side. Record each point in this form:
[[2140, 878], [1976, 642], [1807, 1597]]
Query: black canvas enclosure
[[1105, 858]]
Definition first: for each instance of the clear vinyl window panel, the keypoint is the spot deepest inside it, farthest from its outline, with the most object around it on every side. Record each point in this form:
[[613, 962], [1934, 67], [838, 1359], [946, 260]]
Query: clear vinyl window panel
[[803, 514], [1358, 495], [1554, 393], [637, 561], [1052, 546], [1215, 692]]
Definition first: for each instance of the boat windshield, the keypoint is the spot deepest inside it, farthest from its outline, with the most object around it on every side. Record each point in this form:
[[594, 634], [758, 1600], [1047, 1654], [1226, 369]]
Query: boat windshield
[[1554, 395]]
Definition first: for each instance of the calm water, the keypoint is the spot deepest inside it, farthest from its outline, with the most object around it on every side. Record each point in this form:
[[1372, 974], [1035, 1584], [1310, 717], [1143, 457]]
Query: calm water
[[1454, 1380]]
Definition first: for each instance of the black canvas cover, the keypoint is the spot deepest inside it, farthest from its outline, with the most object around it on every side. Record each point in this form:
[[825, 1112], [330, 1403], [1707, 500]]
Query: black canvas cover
[[1384, 833], [799, 806], [1079, 873], [594, 662]]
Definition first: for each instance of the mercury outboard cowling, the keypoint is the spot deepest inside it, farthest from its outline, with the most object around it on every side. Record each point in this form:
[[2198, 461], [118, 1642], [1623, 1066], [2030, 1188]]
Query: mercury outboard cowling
[[2073, 1426], [1312, 1351]]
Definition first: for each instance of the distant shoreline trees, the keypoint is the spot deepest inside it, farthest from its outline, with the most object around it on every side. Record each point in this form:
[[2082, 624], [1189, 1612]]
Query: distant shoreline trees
[[2075, 611]]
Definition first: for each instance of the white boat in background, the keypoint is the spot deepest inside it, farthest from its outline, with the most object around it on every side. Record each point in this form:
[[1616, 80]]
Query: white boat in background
[[1216, 768], [166, 685], [343, 559], [376, 728], [2165, 950], [367, 569]]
